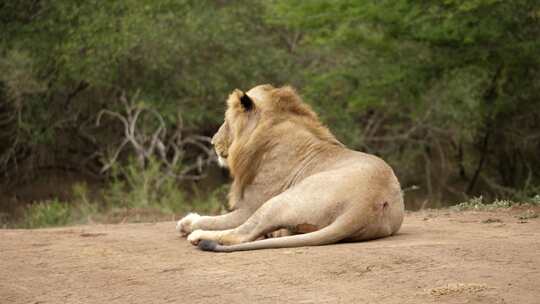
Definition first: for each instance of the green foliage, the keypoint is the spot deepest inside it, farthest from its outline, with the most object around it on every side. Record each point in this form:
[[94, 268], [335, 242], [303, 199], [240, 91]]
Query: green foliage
[[446, 91], [67, 60], [135, 187], [144, 194], [213, 202], [164, 50], [47, 213]]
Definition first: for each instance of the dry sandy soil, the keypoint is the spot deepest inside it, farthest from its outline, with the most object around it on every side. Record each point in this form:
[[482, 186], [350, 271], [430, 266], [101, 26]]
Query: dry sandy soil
[[438, 257]]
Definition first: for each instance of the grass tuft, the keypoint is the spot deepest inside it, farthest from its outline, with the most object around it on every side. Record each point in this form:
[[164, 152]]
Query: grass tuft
[[477, 203]]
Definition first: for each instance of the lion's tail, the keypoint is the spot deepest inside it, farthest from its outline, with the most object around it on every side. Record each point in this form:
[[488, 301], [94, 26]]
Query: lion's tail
[[330, 234]]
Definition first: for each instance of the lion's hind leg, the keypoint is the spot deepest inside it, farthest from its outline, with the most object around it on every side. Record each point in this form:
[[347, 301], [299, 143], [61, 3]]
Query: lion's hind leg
[[285, 212], [268, 219]]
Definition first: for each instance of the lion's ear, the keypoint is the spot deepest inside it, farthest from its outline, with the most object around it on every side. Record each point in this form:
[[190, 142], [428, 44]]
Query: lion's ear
[[247, 103]]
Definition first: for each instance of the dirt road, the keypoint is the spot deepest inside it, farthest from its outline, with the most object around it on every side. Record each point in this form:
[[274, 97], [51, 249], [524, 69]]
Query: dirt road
[[439, 257]]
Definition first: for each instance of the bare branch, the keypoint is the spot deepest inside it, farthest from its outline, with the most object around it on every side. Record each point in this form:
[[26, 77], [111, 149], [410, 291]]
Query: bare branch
[[112, 160], [169, 150]]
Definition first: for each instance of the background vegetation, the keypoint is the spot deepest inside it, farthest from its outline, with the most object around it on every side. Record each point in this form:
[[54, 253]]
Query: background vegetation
[[106, 106]]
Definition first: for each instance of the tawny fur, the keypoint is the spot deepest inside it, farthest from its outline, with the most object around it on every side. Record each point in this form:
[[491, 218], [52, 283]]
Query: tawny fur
[[290, 172]]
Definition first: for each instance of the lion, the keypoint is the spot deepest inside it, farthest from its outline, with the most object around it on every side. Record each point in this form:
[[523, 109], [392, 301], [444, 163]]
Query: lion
[[290, 172]]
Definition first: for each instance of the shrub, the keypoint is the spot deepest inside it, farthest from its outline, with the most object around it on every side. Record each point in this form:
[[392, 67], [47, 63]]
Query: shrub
[[135, 187], [47, 213]]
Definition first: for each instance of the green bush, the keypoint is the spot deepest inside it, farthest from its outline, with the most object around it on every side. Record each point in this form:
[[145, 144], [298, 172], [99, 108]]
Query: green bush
[[133, 194], [213, 202], [47, 213], [134, 187]]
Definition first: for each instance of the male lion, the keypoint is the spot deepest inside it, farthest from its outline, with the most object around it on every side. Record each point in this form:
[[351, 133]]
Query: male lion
[[290, 172]]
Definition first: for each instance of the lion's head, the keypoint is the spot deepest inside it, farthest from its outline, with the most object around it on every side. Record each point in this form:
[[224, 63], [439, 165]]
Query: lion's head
[[241, 108], [253, 124]]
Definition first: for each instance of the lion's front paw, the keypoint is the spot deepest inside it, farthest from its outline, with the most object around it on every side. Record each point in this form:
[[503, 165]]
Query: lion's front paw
[[195, 237], [186, 224]]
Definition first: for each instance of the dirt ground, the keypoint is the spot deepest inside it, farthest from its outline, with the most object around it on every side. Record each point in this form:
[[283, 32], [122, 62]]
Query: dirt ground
[[438, 257]]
